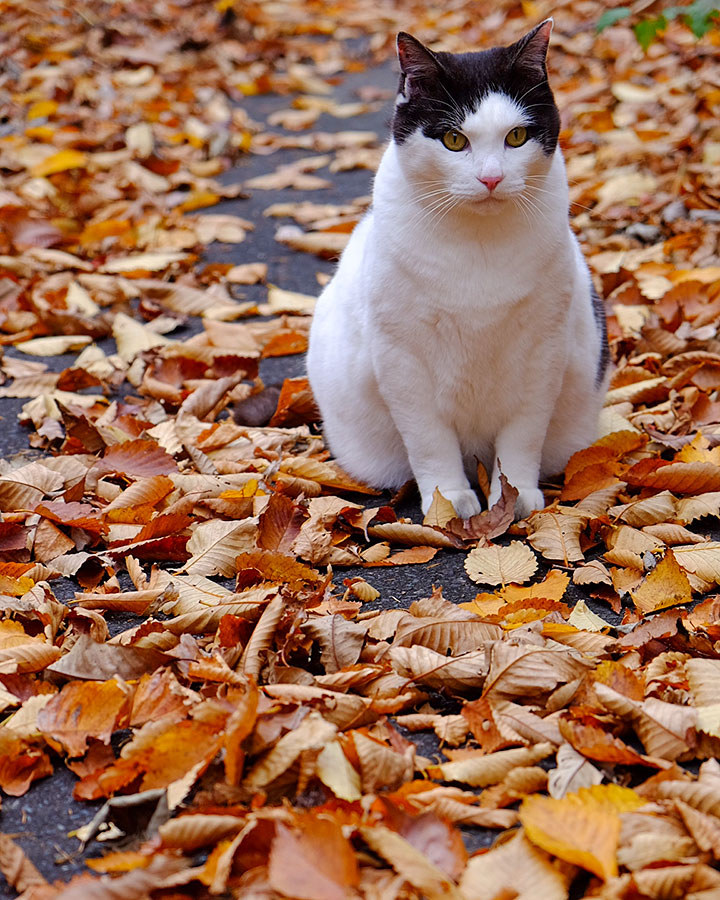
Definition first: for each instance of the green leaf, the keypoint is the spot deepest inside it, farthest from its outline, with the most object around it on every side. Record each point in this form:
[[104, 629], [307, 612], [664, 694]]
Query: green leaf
[[700, 15], [647, 30], [611, 16]]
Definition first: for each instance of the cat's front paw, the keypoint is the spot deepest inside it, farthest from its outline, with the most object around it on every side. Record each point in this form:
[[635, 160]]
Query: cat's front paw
[[528, 500], [465, 502]]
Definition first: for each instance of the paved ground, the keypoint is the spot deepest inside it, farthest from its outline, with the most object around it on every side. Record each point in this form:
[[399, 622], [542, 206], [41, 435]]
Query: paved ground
[[41, 820]]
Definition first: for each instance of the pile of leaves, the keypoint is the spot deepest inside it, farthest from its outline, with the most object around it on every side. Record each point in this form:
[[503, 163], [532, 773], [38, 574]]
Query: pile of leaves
[[244, 711]]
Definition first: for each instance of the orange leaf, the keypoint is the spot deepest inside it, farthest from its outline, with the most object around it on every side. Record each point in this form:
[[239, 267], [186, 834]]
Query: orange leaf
[[312, 862], [680, 477], [595, 743], [296, 404], [96, 232], [84, 710], [160, 754], [581, 828], [159, 694], [21, 762]]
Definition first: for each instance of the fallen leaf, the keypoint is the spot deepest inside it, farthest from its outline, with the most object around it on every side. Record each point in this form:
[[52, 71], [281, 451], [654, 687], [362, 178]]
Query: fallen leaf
[[665, 585], [514, 563], [312, 862], [516, 869], [582, 828]]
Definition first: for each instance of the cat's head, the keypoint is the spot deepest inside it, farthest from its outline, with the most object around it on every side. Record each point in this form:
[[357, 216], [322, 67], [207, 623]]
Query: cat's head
[[476, 129]]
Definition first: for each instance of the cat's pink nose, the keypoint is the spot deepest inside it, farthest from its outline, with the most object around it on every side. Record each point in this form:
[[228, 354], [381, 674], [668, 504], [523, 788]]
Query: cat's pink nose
[[490, 181]]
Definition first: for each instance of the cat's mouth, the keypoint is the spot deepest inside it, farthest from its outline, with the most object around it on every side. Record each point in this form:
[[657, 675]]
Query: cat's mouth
[[488, 201]]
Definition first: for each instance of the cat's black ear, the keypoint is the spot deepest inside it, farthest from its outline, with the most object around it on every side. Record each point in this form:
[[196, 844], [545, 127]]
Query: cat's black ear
[[530, 52], [418, 64]]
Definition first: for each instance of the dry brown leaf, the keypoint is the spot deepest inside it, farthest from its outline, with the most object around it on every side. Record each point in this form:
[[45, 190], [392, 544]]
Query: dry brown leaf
[[648, 511], [18, 870], [411, 535], [514, 563], [515, 869], [572, 772], [441, 511], [314, 732], [702, 560], [691, 508], [454, 630], [84, 710], [556, 533], [312, 862], [380, 766], [261, 639], [480, 770], [341, 640], [190, 832], [215, 546], [436, 670], [413, 865], [665, 729], [521, 670]]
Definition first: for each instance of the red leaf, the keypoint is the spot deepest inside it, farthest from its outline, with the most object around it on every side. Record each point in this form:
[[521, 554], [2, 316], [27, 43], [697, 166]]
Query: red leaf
[[279, 524], [137, 458]]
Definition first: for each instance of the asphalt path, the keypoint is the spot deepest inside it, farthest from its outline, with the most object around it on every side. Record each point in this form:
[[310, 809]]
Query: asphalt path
[[41, 820]]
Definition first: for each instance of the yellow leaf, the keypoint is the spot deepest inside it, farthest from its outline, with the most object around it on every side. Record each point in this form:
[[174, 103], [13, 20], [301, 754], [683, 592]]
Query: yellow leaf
[[665, 585], [42, 109], [501, 565], [336, 772], [581, 828], [553, 587], [60, 162], [440, 512]]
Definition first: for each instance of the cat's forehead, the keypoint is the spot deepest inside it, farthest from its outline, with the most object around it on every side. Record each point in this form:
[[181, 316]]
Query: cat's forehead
[[494, 113]]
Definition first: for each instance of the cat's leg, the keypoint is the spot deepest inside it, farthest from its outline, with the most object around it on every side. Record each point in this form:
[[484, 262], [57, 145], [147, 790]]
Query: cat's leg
[[431, 441], [518, 450], [436, 461]]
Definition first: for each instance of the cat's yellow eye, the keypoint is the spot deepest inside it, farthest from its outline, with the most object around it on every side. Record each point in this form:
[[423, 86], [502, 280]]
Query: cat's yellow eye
[[454, 140], [516, 137]]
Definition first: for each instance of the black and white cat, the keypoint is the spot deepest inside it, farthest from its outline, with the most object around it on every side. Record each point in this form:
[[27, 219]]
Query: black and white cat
[[461, 323]]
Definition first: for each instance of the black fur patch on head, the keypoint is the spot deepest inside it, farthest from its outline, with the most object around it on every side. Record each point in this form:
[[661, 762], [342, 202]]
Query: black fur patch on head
[[440, 89]]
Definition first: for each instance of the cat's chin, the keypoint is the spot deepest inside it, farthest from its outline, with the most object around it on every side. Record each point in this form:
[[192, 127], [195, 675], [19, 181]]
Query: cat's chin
[[487, 206]]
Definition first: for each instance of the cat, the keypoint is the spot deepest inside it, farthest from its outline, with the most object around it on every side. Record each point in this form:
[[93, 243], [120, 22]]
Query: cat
[[461, 324]]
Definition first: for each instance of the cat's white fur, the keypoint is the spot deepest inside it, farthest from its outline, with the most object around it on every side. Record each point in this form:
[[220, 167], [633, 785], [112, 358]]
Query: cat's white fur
[[459, 324]]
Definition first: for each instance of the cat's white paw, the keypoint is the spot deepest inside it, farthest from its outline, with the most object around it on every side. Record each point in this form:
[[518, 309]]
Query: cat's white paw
[[465, 502], [529, 500]]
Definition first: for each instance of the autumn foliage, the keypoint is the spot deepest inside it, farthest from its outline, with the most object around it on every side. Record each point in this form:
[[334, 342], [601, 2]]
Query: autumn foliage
[[244, 708]]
